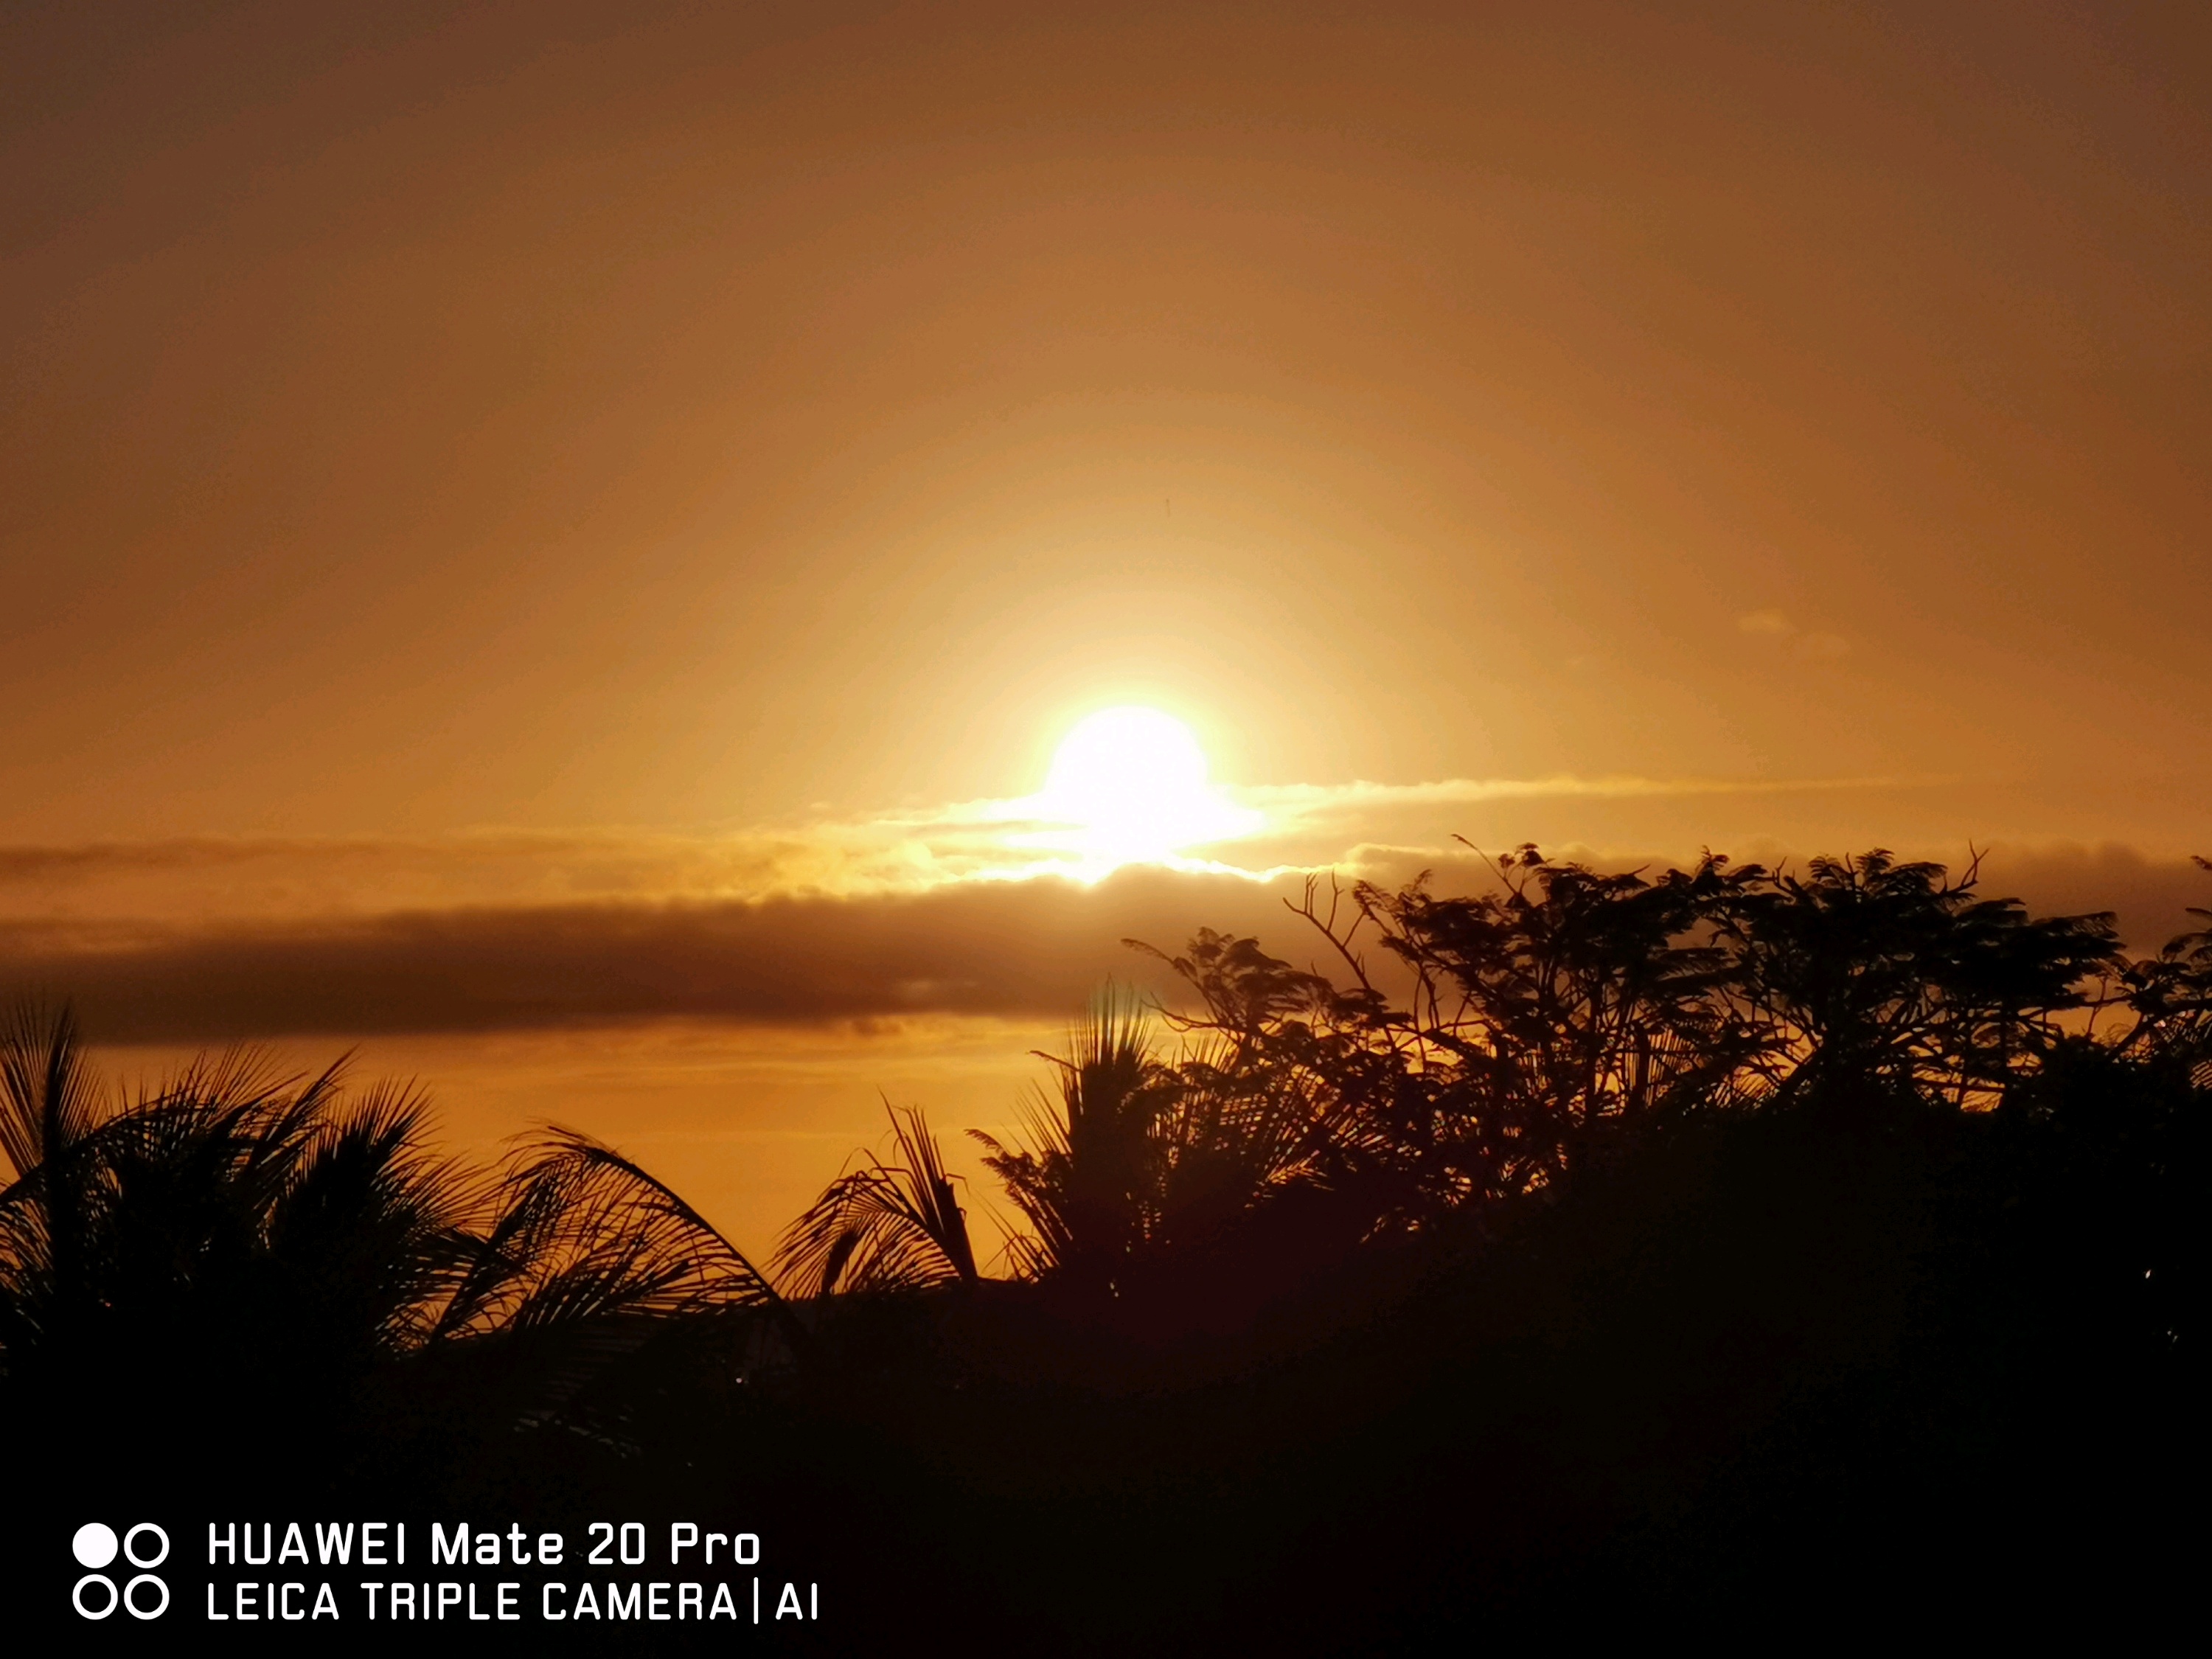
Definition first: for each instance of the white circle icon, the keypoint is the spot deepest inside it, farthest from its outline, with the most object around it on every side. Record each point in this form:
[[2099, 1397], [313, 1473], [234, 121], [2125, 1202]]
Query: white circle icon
[[131, 1597], [94, 1545], [76, 1595]]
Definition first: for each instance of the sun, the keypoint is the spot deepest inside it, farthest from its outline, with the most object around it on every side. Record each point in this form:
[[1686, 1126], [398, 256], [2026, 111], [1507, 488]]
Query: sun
[[1132, 784]]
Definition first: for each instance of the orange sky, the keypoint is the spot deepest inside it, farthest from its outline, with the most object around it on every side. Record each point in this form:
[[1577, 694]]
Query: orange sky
[[527, 524]]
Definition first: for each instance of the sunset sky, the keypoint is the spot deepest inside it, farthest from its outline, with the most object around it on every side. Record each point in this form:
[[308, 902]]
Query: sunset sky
[[555, 544]]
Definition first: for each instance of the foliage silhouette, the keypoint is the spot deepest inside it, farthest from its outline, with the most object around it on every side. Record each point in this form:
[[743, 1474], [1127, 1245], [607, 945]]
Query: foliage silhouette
[[1084, 1180], [895, 1226], [1728, 1243], [302, 1265], [2171, 995], [1550, 1020]]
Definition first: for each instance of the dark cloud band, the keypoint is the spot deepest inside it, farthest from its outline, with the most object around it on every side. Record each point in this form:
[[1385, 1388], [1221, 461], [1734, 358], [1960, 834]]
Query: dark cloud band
[[1036, 947], [1022, 949]]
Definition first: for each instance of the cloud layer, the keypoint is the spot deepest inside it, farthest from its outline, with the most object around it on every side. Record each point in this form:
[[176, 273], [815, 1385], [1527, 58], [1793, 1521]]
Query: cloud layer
[[1019, 949], [207, 879], [1030, 948]]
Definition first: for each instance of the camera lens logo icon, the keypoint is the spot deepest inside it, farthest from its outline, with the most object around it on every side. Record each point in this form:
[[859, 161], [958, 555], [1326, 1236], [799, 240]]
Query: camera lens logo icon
[[95, 1545]]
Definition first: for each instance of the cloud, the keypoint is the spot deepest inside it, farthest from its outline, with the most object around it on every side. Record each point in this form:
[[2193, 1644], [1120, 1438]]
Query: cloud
[[1026, 949], [206, 879], [956, 910], [1318, 800], [1774, 625]]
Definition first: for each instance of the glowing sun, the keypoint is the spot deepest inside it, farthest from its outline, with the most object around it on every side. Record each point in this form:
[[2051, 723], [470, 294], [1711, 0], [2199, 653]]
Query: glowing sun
[[1132, 783]]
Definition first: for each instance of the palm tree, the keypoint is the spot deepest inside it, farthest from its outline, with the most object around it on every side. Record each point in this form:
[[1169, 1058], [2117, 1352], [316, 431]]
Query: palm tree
[[274, 1250], [1084, 1180], [1142, 1160], [884, 1226]]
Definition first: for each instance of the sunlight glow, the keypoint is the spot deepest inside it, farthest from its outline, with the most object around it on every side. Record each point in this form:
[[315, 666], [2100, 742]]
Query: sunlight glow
[[1131, 785]]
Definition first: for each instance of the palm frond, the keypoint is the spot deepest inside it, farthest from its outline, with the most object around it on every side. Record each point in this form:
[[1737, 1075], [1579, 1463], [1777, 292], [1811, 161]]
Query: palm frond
[[584, 1232], [884, 1226], [49, 1099]]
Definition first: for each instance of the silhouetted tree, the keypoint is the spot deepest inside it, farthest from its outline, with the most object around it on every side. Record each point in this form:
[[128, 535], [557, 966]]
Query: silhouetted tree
[[2170, 995], [1899, 976], [1084, 1180], [884, 1226], [292, 1259], [1546, 1018]]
